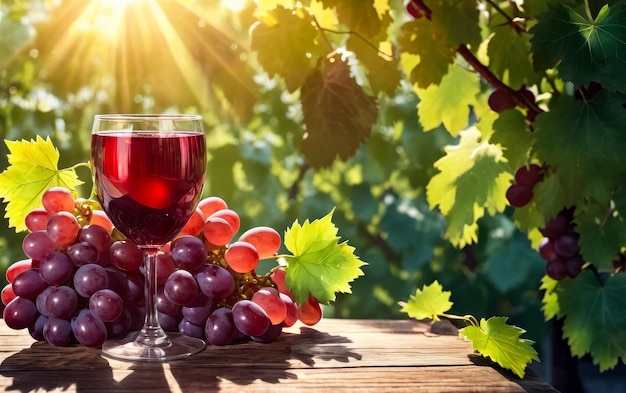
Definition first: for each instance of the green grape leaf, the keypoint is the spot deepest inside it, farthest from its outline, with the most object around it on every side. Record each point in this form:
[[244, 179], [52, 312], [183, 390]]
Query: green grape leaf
[[449, 102], [430, 302], [551, 307], [501, 343], [435, 58], [474, 177], [338, 114], [512, 134], [319, 265], [457, 21], [359, 16], [33, 168], [583, 50], [595, 317], [14, 35], [509, 56], [375, 66], [582, 141], [287, 47]]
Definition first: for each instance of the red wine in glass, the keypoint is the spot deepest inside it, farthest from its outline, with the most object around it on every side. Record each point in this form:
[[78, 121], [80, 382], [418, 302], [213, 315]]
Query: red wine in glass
[[149, 171]]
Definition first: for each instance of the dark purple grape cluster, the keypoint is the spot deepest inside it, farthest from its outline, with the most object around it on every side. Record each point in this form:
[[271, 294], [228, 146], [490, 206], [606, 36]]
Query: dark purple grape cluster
[[520, 193], [560, 248], [83, 282]]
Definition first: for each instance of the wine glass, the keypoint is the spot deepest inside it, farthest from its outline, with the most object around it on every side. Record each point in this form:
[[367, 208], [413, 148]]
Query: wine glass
[[149, 171]]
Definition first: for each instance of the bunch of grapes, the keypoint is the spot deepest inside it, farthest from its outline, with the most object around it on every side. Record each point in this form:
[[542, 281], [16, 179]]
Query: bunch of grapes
[[559, 247], [520, 193], [83, 282]]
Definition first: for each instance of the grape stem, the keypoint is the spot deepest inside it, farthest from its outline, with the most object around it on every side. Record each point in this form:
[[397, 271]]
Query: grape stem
[[469, 319]]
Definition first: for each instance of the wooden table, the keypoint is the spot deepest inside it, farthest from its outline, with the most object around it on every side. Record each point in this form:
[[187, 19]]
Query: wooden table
[[334, 356]]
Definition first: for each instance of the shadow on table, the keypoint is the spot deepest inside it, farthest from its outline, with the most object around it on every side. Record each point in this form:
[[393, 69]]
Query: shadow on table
[[43, 367]]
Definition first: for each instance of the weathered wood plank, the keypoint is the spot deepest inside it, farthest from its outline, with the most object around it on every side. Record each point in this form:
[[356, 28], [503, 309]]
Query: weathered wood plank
[[336, 355]]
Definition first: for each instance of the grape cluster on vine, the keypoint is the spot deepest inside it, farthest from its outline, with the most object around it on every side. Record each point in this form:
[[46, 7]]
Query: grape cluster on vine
[[83, 282], [560, 248]]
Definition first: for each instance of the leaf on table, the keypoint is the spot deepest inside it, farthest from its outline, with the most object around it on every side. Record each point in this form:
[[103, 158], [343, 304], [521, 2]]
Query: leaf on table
[[595, 317], [430, 302], [473, 177], [320, 265], [582, 141], [33, 168], [583, 50], [338, 114], [501, 343], [286, 45]]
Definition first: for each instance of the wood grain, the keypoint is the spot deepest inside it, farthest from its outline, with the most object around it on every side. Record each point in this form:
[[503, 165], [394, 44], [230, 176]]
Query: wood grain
[[334, 356]]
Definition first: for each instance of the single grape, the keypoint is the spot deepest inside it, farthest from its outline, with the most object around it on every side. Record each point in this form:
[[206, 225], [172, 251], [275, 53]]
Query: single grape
[[89, 279], [199, 310], [61, 302], [133, 293], [265, 239], [250, 318], [414, 10], [169, 323], [210, 205], [36, 328], [165, 266], [574, 265], [310, 312], [56, 199], [547, 251], [17, 267], [272, 333], [137, 317], [229, 215], [215, 281], [220, 327], [28, 284], [242, 257], [189, 253], [499, 101], [56, 268], [37, 244], [165, 305], [125, 255], [557, 269], [566, 245], [194, 226], [19, 313], [189, 329], [269, 299], [119, 326], [99, 217], [97, 235], [58, 332], [528, 95], [7, 294], [106, 305], [218, 231], [556, 227], [181, 288], [83, 253], [37, 219], [519, 195], [291, 316], [40, 302], [89, 330], [528, 175], [62, 228], [116, 280]]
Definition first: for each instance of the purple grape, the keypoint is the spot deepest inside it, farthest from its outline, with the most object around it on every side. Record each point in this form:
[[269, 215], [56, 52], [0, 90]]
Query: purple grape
[[106, 305], [189, 329], [546, 250], [220, 327], [165, 305], [215, 281], [89, 330], [169, 323], [96, 235], [528, 175], [272, 333], [119, 326], [250, 318], [56, 268], [89, 279], [137, 317], [199, 310], [37, 244], [40, 302], [83, 253], [566, 245], [61, 302], [133, 293], [557, 269], [28, 283], [189, 253], [181, 288], [36, 328], [574, 265], [19, 313], [556, 226], [499, 100], [58, 332], [117, 280], [125, 255], [519, 195]]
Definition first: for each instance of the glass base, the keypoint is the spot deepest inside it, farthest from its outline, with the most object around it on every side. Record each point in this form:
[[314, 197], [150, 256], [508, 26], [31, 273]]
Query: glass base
[[171, 347]]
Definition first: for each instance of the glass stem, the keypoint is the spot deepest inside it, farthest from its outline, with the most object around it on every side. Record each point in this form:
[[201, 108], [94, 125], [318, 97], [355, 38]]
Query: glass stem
[[151, 333]]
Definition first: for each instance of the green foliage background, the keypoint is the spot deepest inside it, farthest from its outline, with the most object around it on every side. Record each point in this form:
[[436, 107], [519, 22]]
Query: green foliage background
[[354, 105]]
